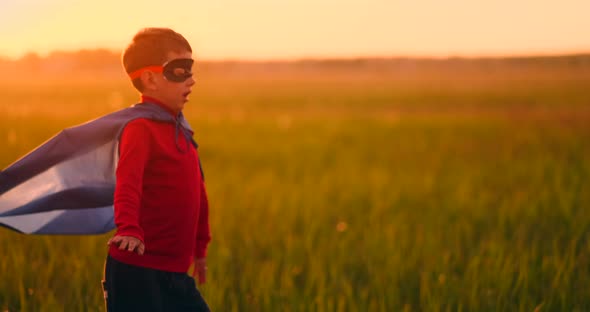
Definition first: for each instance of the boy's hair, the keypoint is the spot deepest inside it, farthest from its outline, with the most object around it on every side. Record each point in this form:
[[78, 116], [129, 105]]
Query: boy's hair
[[150, 46]]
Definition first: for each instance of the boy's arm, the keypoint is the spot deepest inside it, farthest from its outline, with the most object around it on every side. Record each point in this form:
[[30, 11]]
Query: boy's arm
[[133, 156], [203, 238], [203, 230]]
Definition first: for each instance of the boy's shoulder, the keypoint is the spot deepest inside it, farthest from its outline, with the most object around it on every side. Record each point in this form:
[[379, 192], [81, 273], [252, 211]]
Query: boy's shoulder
[[140, 122], [141, 125]]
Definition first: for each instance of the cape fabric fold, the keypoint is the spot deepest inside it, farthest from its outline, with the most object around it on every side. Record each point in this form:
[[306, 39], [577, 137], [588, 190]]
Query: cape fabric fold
[[66, 185]]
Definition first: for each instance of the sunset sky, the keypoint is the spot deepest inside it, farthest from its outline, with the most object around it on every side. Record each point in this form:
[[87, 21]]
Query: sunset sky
[[281, 29]]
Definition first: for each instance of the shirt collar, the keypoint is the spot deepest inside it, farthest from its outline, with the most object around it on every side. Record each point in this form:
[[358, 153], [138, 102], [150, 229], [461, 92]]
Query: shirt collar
[[149, 99]]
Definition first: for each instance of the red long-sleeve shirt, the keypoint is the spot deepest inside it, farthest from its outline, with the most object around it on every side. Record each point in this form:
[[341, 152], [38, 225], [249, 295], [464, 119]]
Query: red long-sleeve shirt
[[160, 197]]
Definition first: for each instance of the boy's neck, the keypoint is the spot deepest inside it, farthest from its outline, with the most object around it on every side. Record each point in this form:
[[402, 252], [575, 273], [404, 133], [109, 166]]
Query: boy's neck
[[150, 99]]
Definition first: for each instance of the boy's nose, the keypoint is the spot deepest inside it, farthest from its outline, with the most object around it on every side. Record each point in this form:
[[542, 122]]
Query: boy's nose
[[191, 81]]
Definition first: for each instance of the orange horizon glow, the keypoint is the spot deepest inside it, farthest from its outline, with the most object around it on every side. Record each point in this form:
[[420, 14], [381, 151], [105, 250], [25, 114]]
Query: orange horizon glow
[[267, 30]]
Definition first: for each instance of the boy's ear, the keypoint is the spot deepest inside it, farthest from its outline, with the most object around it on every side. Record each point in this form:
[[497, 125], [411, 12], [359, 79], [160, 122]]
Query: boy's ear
[[148, 80]]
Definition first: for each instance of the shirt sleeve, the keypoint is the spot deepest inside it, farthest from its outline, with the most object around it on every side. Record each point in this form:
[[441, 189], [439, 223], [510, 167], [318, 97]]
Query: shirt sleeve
[[203, 230], [133, 157]]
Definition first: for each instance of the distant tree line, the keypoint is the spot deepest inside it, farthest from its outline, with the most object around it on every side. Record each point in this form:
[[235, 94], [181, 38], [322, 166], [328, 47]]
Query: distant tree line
[[103, 61]]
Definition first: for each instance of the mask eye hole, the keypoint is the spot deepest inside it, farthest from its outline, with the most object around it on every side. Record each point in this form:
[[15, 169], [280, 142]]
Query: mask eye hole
[[180, 72]]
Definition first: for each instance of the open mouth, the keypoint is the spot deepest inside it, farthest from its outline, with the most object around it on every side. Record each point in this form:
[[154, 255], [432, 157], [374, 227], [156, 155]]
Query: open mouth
[[186, 94]]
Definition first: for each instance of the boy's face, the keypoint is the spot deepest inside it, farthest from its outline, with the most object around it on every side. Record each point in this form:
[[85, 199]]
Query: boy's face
[[172, 93]]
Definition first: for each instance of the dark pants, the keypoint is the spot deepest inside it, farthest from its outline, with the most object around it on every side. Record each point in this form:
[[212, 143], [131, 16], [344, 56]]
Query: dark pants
[[133, 288]]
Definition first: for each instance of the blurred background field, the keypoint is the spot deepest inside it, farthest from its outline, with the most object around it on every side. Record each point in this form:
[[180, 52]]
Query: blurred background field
[[344, 185]]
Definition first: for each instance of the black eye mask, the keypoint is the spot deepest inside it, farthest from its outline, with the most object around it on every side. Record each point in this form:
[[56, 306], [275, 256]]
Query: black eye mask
[[178, 70]]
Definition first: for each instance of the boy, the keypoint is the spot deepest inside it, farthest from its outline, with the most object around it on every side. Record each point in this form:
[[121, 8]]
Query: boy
[[160, 202]]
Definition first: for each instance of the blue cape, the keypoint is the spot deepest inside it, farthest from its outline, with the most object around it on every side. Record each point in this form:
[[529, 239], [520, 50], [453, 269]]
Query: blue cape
[[66, 185]]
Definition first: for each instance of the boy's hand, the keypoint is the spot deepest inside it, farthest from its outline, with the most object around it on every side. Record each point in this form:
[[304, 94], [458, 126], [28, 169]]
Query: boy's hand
[[200, 270], [129, 243]]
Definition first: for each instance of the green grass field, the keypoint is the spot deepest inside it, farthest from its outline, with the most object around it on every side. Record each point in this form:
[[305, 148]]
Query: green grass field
[[350, 189]]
